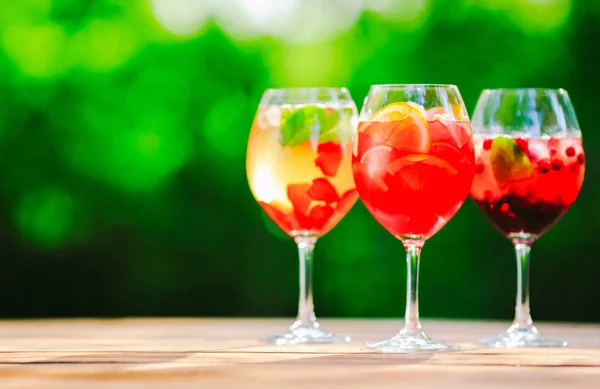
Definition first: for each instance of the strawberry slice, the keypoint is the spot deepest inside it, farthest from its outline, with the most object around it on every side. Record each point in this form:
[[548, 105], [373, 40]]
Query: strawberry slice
[[304, 221], [297, 193], [347, 201], [320, 214], [330, 157], [322, 190], [280, 218]]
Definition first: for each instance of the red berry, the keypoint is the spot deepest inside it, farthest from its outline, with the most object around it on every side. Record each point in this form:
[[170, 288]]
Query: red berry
[[581, 159], [487, 144], [557, 164], [544, 166], [488, 195], [523, 144], [570, 151], [479, 168]]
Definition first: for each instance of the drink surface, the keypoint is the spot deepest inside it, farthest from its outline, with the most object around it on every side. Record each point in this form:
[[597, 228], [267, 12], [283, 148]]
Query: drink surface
[[524, 185], [413, 172], [299, 165]]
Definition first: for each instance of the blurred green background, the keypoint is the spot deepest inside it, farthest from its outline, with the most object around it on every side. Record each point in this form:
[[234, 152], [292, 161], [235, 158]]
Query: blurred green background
[[123, 130]]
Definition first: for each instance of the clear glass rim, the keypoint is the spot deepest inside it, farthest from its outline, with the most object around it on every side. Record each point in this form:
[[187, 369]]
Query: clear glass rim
[[547, 91], [299, 89], [306, 95], [400, 86]]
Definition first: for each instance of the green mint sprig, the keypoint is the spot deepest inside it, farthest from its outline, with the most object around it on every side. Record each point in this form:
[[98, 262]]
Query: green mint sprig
[[315, 123]]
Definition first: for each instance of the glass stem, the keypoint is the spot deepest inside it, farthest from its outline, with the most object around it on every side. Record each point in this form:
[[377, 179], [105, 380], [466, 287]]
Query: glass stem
[[522, 314], [412, 324], [306, 310]]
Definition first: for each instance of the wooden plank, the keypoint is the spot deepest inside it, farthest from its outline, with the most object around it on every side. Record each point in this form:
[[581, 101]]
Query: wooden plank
[[223, 353]]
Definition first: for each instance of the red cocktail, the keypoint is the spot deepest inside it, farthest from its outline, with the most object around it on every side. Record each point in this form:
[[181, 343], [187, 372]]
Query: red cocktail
[[413, 164], [526, 185], [413, 168], [529, 170]]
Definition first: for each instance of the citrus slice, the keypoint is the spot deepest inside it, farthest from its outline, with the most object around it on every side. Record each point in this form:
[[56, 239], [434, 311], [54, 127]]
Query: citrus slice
[[459, 112], [509, 162], [402, 126], [425, 161], [367, 183], [447, 152], [396, 111], [377, 155]]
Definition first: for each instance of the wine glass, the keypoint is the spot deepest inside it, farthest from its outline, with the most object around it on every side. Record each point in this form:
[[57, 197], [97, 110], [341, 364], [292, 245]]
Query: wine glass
[[413, 164], [299, 170], [529, 170]]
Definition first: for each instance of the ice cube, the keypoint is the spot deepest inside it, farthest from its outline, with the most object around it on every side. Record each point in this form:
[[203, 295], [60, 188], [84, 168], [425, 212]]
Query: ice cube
[[538, 149], [270, 117]]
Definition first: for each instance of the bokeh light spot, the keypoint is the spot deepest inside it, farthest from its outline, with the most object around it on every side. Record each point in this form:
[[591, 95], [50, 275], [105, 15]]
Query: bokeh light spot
[[407, 14], [225, 128], [46, 216], [37, 50], [181, 17], [104, 44], [541, 15]]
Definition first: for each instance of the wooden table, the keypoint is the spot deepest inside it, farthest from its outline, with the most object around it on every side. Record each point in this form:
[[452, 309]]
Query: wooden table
[[224, 353]]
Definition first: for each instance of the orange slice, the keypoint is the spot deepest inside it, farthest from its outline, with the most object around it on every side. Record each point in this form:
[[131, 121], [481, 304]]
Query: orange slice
[[447, 152], [396, 111], [378, 155], [402, 126], [425, 160]]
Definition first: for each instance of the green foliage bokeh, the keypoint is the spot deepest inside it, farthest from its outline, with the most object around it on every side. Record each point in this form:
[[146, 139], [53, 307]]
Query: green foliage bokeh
[[123, 130]]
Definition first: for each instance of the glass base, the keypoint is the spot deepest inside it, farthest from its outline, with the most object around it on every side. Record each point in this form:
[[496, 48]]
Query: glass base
[[305, 334], [410, 344], [517, 336]]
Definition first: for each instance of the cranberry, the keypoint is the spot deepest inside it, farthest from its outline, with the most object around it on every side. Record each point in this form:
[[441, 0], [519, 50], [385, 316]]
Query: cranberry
[[479, 168], [487, 144], [504, 207], [581, 159], [570, 151], [488, 195], [544, 166], [557, 164], [523, 144]]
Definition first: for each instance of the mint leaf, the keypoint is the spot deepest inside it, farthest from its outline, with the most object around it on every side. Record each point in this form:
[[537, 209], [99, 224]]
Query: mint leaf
[[301, 125], [509, 162], [339, 126], [312, 122]]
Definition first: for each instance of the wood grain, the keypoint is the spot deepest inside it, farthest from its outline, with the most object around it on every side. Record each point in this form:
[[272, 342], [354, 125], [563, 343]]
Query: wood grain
[[225, 353]]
